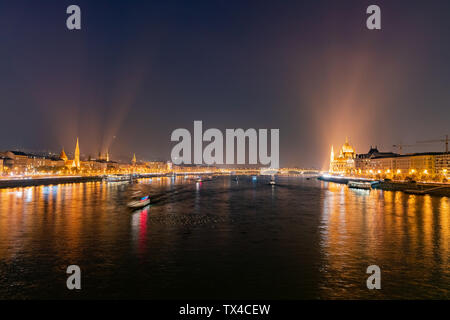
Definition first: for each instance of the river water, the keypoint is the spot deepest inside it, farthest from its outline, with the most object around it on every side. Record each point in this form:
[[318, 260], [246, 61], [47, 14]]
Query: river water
[[300, 239]]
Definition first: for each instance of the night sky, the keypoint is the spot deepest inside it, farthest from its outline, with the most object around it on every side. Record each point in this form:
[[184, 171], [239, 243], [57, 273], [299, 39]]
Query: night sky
[[140, 69]]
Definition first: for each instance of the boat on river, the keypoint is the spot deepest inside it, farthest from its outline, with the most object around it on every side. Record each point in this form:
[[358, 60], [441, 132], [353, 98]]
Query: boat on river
[[139, 201], [359, 185], [118, 178]]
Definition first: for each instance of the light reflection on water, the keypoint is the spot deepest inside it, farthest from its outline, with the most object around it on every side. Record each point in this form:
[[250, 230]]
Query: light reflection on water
[[406, 235], [223, 239]]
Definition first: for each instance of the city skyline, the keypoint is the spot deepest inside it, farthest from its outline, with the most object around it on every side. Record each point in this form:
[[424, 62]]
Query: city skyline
[[346, 160]]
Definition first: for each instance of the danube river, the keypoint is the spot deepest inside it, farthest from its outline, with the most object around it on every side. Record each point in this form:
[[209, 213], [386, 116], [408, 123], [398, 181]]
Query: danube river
[[300, 239]]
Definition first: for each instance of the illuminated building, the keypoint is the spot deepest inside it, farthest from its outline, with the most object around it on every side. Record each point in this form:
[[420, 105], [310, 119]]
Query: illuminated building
[[194, 168], [63, 155], [103, 157], [75, 163], [420, 165], [133, 161], [442, 163], [156, 166], [1, 166], [365, 162], [96, 165], [19, 162], [76, 160], [345, 161]]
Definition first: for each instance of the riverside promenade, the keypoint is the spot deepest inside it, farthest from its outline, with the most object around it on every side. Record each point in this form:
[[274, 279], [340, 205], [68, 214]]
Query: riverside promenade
[[410, 187], [43, 181]]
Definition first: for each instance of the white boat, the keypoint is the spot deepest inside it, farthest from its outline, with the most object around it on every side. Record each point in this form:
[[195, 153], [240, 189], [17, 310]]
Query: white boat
[[117, 178], [139, 202], [272, 181], [359, 185]]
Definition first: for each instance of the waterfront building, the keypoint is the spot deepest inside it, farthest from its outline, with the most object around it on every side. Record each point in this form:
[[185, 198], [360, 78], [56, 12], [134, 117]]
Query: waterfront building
[[156, 166], [426, 166], [420, 166], [423, 163], [20, 162], [193, 168], [366, 161], [1, 166], [442, 163], [112, 165], [345, 161], [95, 165]]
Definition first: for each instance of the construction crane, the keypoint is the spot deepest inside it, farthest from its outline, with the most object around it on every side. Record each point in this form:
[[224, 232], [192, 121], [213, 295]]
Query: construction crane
[[445, 140], [401, 145]]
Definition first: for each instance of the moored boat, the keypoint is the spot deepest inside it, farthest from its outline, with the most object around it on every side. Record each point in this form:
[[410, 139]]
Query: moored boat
[[359, 185], [272, 181], [118, 178]]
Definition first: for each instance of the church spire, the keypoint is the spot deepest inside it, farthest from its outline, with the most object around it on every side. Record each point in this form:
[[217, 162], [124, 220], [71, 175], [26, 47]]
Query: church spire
[[76, 160]]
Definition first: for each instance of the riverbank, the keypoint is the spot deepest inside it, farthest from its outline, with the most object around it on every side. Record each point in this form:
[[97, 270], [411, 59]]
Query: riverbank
[[21, 182], [436, 189], [32, 182], [418, 188]]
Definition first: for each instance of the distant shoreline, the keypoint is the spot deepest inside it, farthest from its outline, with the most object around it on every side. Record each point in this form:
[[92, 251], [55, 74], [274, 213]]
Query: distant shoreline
[[19, 183]]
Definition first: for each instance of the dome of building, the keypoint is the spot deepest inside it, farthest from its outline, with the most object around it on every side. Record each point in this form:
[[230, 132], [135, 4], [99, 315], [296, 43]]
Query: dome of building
[[347, 148], [63, 155]]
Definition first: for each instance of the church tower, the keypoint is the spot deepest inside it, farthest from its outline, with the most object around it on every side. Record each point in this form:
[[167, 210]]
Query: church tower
[[76, 160], [63, 155]]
